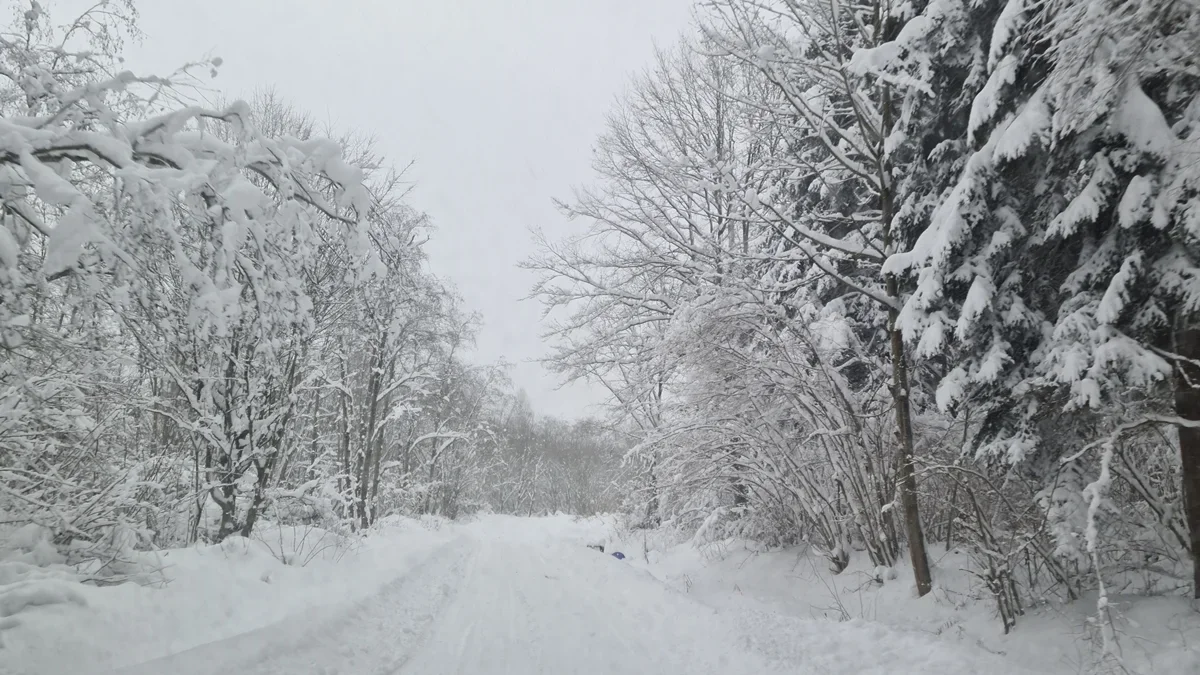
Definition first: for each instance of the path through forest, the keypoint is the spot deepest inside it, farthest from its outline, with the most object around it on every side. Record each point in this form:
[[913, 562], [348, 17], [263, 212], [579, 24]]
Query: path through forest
[[509, 595]]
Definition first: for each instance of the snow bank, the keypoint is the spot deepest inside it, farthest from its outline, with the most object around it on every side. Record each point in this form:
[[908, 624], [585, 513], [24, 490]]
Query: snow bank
[[778, 593], [50, 622]]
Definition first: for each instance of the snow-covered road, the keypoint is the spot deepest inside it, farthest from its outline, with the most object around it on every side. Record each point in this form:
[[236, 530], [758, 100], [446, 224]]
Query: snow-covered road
[[491, 604], [522, 599]]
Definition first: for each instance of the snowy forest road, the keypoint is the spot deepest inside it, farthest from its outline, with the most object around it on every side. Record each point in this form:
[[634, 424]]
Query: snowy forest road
[[508, 602], [521, 600]]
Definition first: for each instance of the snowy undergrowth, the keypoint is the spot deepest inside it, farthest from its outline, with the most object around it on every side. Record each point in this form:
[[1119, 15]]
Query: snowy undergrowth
[[53, 620], [1159, 635]]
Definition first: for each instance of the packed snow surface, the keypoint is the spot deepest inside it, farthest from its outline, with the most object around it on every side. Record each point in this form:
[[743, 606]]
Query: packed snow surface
[[497, 595]]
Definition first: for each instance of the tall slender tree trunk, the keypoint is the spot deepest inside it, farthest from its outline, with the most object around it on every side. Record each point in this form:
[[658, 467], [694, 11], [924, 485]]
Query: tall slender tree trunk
[[907, 479], [652, 504], [365, 454], [345, 481], [429, 493], [1187, 406]]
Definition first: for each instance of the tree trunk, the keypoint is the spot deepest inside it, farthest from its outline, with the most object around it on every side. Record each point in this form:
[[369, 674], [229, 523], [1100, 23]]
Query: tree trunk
[[345, 478], [201, 495], [365, 455], [954, 489], [377, 453], [225, 495], [907, 480], [261, 481], [652, 505], [1187, 406], [428, 508], [741, 493]]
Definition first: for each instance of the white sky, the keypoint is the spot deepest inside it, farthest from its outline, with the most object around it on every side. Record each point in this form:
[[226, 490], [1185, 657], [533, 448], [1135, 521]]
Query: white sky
[[497, 101]]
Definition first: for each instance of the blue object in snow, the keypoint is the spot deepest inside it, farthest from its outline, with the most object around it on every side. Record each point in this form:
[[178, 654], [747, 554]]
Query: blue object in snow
[[618, 555]]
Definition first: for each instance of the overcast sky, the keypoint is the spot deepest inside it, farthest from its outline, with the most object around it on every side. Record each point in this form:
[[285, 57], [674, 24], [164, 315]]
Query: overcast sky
[[497, 101]]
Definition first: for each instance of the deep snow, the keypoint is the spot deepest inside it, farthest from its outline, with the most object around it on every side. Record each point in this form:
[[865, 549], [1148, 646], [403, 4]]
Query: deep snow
[[194, 596], [1157, 635], [496, 595]]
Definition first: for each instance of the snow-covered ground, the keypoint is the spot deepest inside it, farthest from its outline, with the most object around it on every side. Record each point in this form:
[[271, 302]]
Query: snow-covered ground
[[495, 595], [1155, 635], [195, 596]]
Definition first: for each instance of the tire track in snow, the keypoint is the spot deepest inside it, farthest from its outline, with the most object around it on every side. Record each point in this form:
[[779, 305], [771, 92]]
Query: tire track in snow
[[374, 636], [486, 629], [539, 607]]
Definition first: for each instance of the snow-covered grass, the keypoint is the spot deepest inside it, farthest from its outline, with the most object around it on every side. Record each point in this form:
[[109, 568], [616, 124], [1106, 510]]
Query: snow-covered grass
[[50, 622], [1159, 635]]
